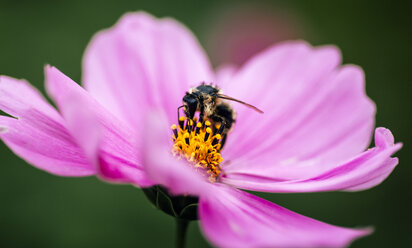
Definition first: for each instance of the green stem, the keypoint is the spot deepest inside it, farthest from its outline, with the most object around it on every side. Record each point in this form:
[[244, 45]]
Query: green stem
[[181, 226]]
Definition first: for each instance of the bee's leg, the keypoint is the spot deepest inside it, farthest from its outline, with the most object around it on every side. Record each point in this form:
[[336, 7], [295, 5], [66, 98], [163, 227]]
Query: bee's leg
[[181, 122], [222, 127], [189, 125], [178, 112], [224, 134], [223, 141], [218, 119]]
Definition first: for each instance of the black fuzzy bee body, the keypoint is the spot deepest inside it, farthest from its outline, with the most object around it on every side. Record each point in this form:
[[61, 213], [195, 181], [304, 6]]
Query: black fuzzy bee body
[[210, 102], [206, 100]]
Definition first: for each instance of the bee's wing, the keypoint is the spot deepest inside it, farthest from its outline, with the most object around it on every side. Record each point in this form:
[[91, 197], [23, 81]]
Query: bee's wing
[[239, 101]]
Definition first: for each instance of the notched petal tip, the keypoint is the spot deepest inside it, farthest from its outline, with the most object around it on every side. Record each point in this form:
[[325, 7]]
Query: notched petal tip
[[38, 134], [50, 73], [48, 67], [295, 45], [122, 57], [384, 137], [49, 70], [332, 52], [17, 96], [357, 233], [360, 232], [368, 230]]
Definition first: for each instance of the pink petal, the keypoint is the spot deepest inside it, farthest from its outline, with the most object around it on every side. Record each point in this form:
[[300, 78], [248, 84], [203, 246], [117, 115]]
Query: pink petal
[[143, 61], [233, 218], [38, 134], [362, 172], [317, 115], [225, 73], [160, 165], [108, 142]]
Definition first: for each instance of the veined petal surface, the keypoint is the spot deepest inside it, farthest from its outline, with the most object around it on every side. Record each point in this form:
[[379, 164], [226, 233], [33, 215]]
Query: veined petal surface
[[317, 114], [38, 133], [362, 172], [235, 219], [141, 63], [109, 142]]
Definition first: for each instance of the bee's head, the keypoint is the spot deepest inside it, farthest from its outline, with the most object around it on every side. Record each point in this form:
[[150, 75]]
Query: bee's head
[[190, 102]]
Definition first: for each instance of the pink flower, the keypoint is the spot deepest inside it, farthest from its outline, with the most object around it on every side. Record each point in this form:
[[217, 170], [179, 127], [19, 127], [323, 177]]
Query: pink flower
[[312, 137]]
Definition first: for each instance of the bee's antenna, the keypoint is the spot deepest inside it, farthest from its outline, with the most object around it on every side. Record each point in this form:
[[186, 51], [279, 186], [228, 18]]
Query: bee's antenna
[[239, 101]]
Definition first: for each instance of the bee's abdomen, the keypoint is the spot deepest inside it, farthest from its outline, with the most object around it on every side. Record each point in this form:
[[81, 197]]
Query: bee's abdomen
[[226, 113]]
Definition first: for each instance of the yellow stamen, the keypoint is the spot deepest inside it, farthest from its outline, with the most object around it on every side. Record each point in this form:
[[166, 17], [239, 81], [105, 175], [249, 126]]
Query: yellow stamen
[[174, 128], [199, 146]]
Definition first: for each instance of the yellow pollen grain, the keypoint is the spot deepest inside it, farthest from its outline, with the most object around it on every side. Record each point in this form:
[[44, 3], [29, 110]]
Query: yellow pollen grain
[[200, 147]]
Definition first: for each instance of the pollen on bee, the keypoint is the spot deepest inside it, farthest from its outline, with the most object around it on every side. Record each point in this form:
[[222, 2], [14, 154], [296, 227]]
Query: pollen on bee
[[198, 144]]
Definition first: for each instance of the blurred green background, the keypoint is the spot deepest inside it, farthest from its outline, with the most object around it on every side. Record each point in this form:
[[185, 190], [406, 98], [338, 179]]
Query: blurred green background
[[42, 210]]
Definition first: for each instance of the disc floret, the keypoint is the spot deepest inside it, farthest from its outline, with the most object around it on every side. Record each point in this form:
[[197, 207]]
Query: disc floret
[[198, 143]]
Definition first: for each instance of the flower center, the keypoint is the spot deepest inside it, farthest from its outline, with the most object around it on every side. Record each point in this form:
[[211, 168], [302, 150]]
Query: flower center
[[199, 144]]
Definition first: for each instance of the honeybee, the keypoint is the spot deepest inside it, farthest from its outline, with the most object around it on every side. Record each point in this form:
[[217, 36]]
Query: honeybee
[[210, 102]]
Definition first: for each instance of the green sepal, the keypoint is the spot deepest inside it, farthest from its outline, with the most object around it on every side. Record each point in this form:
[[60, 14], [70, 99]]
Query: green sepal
[[178, 206]]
